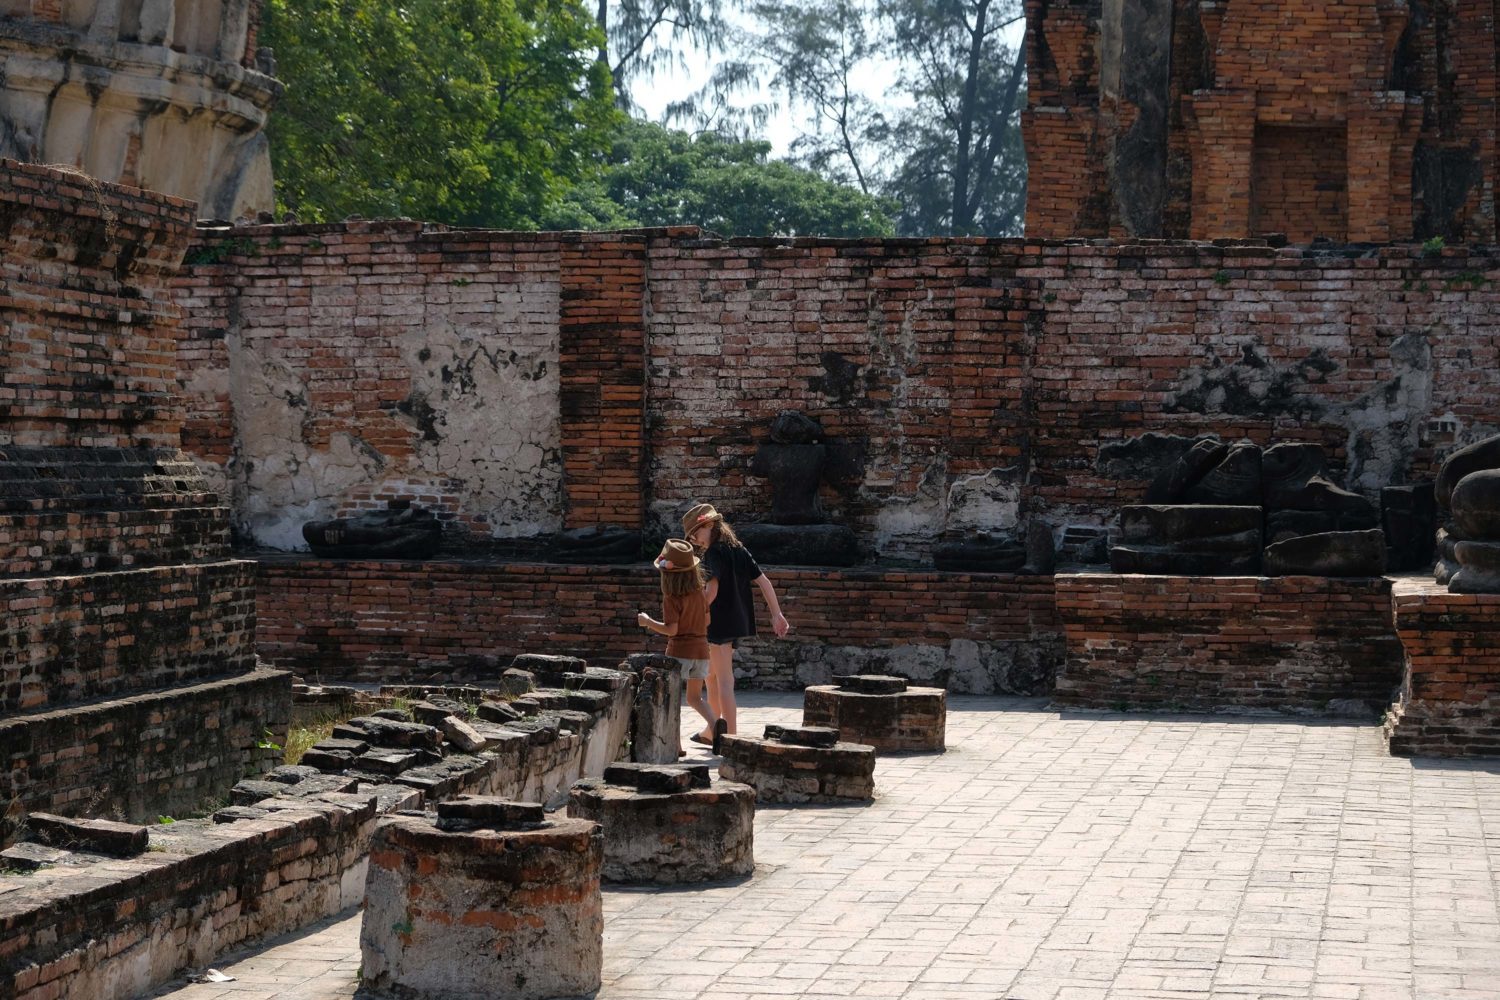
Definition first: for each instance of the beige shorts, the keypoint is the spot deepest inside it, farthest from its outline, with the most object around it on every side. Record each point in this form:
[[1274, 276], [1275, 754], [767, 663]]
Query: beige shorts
[[693, 670]]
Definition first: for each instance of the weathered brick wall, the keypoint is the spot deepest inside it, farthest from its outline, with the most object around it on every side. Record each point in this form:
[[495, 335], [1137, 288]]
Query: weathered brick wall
[[328, 369], [362, 621], [201, 890], [69, 639], [115, 581], [158, 753], [1450, 690], [1203, 643], [962, 383], [913, 354], [602, 347], [88, 323], [1148, 120], [1382, 358]]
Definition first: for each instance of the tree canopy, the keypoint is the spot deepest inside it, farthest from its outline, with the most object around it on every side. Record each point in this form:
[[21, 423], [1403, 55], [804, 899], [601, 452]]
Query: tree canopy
[[512, 114], [656, 176], [473, 112]]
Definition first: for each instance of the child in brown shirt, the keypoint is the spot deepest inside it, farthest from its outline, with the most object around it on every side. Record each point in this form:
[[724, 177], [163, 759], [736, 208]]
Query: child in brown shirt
[[684, 622]]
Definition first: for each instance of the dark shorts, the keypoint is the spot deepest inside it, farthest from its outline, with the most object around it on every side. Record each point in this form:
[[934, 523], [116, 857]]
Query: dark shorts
[[732, 642]]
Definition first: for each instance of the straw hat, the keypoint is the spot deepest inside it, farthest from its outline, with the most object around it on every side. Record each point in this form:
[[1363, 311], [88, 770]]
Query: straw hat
[[676, 557], [699, 514]]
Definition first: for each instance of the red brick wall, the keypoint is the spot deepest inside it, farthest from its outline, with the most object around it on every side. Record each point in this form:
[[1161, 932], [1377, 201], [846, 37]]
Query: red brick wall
[[1300, 184], [1416, 90], [602, 395], [1201, 643], [88, 326], [115, 581], [330, 369], [370, 621], [962, 383], [913, 354], [1450, 692]]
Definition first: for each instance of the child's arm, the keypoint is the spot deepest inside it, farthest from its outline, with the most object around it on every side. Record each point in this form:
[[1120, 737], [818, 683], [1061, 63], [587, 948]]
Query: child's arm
[[779, 624], [644, 620], [711, 590]]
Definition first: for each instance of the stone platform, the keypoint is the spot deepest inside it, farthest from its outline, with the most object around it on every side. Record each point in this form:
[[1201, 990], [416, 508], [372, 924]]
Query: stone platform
[[800, 764], [669, 824], [879, 711], [1450, 691], [1296, 644], [491, 901], [1067, 856]]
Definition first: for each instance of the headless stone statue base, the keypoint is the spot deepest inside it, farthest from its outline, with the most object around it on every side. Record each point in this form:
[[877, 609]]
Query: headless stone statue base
[[402, 532], [1332, 553], [1469, 546], [801, 544]]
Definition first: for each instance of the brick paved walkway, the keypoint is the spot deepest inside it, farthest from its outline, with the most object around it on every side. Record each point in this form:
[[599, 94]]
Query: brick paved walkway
[[1077, 856]]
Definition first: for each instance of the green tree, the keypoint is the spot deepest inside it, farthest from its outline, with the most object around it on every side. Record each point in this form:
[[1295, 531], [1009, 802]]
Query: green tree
[[814, 47], [657, 176], [471, 112], [962, 168], [642, 36]]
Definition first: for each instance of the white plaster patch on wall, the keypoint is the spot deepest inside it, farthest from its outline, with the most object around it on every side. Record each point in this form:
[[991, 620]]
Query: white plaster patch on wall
[[906, 528], [275, 486], [480, 362], [1385, 423], [990, 501], [485, 404]]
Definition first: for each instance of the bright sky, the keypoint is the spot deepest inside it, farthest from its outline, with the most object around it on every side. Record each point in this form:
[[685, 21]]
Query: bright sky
[[668, 86]]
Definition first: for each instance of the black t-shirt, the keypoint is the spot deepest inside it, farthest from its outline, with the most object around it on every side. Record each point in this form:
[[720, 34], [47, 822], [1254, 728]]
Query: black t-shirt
[[732, 615]]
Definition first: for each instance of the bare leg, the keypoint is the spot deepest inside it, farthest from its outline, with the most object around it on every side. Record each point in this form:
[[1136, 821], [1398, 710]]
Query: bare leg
[[697, 699], [721, 682]]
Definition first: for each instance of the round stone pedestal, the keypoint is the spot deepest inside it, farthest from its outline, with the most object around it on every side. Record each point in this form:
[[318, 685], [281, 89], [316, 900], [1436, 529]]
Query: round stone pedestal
[[883, 712], [669, 824], [490, 902], [806, 764]]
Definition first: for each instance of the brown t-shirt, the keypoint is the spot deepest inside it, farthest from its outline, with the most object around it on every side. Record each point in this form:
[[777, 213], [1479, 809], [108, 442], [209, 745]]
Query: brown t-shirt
[[691, 615]]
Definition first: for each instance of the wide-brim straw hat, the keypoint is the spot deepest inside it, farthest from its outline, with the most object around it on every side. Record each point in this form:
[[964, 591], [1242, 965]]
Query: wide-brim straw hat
[[699, 514], [676, 557]]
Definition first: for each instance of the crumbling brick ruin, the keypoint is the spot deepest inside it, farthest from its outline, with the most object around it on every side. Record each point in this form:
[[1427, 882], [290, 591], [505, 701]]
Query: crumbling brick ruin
[[129, 684], [1357, 120], [170, 95]]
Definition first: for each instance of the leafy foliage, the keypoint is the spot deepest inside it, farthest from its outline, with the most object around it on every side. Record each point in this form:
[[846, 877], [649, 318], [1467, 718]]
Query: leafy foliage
[[959, 143], [657, 176], [646, 35], [472, 112], [814, 47]]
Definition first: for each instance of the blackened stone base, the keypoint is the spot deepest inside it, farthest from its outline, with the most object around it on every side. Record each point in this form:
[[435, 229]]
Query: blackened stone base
[[788, 772], [912, 719], [702, 833]]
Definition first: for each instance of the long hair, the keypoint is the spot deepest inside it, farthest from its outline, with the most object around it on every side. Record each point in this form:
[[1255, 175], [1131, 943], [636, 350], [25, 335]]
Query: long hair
[[720, 531], [682, 582]]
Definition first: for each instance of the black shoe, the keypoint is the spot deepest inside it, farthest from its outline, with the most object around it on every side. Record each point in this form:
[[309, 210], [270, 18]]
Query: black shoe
[[721, 729]]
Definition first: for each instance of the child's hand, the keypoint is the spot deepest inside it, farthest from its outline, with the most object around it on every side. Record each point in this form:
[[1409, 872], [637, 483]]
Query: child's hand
[[641, 618]]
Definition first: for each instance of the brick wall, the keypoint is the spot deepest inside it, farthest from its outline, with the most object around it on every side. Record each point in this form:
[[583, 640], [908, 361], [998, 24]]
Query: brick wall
[[496, 378], [961, 383], [1450, 691], [364, 621], [201, 890], [1299, 185], [602, 346], [156, 753], [1204, 643], [88, 359], [127, 675], [1150, 124], [70, 639]]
